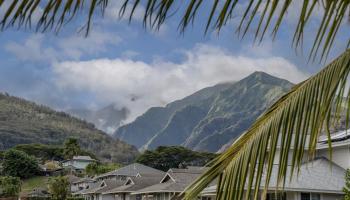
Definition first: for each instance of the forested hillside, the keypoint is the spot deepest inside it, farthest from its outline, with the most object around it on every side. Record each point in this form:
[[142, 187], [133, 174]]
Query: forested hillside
[[24, 122]]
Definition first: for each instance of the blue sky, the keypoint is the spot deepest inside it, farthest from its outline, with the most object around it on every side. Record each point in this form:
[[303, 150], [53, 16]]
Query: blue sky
[[132, 67]]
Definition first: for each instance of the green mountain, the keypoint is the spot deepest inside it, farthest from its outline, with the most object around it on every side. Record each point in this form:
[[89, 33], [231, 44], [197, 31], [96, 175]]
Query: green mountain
[[24, 122], [144, 127], [207, 119]]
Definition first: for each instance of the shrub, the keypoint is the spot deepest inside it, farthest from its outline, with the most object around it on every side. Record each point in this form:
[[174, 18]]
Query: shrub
[[10, 186], [59, 187], [19, 164]]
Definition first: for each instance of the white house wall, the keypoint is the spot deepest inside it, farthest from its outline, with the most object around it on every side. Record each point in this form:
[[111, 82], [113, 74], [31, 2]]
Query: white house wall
[[340, 155], [107, 197]]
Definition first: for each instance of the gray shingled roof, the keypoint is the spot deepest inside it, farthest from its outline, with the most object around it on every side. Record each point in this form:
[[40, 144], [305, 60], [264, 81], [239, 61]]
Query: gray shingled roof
[[72, 178], [131, 170], [176, 180], [320, 175], [84, 158], [109, 184], [93, 187], [137, 183], [81, 180]]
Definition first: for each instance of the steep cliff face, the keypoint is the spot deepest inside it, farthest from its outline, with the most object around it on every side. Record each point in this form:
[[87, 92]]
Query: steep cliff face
[[208, 119]]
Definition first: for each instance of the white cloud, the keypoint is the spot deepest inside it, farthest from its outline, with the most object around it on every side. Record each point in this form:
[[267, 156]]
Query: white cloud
[[31, 49], [40, 47], [112, 11], [138, 85]]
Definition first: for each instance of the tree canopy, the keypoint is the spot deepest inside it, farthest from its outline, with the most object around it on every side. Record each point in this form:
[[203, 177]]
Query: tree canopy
[[71, 148], [19, 164], [59, 187], [164, 158], [100, 168]]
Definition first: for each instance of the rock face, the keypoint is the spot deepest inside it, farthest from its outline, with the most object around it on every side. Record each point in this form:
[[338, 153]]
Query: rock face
[[208, 119], [24, 122]]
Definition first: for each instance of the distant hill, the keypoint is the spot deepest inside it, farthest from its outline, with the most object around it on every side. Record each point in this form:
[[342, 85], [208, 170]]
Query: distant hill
[[24, 122], [107, 119], [207, 119]]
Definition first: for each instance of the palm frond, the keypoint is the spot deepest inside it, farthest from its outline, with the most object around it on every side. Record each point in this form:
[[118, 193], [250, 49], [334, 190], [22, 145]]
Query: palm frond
[[291, 124], [257, 15], [53, 13]]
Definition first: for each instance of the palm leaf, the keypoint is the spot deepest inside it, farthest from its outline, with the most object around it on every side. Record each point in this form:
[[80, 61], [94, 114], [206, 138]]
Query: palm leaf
[[258, 15], [295, 120]]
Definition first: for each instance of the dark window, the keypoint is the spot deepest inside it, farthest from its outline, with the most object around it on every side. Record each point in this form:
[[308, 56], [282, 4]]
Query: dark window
[[310, 196], [276, 196]]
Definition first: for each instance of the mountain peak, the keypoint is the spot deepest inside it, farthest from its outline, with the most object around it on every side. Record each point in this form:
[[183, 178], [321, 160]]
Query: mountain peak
[[265, 78]]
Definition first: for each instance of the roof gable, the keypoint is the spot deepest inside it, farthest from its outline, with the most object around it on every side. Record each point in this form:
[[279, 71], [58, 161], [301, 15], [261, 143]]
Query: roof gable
[[167, 178]]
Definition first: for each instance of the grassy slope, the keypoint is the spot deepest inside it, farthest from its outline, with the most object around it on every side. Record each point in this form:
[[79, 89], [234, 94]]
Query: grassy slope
[[35, 182]]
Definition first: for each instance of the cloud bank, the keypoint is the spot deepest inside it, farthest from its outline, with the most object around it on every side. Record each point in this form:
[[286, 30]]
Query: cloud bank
[[138, 85]]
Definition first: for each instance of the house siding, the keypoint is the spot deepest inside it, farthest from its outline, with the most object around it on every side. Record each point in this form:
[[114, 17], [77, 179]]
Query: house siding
[[107, 197], [340, 155]]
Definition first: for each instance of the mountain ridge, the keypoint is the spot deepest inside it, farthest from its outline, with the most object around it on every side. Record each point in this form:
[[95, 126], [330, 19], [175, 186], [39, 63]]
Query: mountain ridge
[[209, 118]]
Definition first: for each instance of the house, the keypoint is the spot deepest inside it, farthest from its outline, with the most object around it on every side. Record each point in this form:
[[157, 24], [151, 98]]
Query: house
[[51, 168], [171, 185], [78, 163], [96, 190], [132, 185], [81, 184], [39, 193], [131, 170], [318, 179]]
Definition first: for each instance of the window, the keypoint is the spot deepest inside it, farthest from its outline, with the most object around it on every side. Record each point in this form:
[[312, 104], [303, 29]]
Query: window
[[276, 196], [310, 196]]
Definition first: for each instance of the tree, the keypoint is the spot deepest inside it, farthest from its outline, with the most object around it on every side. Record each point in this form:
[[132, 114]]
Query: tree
[[346, 189], [19, 164], [59, 187], [99, 168], [10, 186], [71, 148], [164, 158], [306, 110]]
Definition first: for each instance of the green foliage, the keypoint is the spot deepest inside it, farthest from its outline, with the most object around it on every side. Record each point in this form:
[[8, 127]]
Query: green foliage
[[71, 148], [97, 168], [9, 186], [19, 164], [346, 188], [59, 187], [75, 198], [24, 122], [42, 151], [48, 152], [164, 158]]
